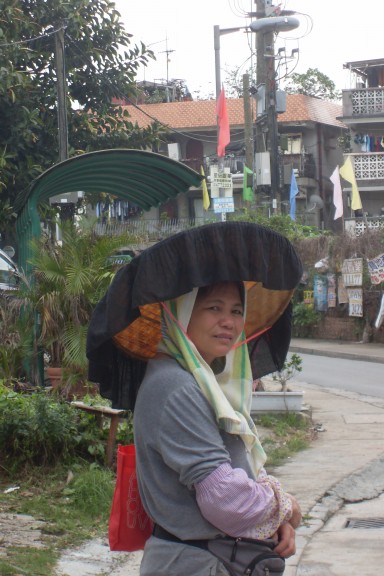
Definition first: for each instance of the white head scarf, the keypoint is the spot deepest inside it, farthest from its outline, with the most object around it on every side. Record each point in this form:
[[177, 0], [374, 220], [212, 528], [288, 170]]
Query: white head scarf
[[229, 392]]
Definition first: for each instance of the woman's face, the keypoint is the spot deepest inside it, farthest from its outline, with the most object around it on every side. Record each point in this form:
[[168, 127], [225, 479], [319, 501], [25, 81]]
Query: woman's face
[[216, 321]]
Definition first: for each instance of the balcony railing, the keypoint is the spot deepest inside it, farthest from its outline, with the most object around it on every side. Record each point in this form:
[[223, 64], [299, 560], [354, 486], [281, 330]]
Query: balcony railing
[[363, 102], [369, 165], [146, 230], [357, 226]]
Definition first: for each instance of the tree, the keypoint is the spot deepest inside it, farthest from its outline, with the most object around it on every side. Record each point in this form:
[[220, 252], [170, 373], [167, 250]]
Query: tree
[[68, 281], [234, 81], [313, 83], [100, 64]]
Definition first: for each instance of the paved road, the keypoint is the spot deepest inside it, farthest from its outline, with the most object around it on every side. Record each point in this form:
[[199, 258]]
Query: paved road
[[338, 373]]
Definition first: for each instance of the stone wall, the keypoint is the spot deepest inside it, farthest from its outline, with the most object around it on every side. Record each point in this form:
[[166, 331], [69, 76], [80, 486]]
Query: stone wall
[[336, 328]]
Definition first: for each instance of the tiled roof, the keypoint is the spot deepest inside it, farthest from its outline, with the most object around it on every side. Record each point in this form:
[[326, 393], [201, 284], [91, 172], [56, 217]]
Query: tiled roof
[[201, 114], [301, 108]]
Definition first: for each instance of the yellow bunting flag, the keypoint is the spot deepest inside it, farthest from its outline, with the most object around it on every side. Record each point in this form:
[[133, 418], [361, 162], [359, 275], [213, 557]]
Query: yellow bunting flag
[[206, 200]]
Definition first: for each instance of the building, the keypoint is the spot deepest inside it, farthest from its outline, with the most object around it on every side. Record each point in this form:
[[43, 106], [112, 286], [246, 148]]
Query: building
[[309, 130], [363, 113]]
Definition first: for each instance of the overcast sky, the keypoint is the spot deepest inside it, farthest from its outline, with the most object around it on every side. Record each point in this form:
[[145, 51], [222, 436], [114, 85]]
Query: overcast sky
[[339, 32]]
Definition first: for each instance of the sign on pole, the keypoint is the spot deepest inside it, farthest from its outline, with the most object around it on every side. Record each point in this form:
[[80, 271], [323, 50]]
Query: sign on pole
[[221, 181], [223, 205]]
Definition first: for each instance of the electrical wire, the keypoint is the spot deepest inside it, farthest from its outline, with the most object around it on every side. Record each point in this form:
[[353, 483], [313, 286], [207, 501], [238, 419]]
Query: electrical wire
[[132, 103], [29, 40]]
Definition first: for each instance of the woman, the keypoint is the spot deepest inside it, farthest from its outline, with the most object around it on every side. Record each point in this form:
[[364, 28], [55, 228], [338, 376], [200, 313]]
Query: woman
[[199, 460]]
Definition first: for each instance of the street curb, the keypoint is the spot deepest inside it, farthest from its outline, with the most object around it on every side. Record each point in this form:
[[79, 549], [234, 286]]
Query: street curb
[[334, 498], [330, 354]]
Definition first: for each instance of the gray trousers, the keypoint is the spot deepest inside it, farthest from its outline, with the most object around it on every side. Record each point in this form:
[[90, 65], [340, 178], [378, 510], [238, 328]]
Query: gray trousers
[[163, 558]]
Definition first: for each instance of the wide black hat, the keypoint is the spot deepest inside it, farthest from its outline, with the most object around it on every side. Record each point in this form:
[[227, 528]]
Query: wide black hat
[[125, 328]]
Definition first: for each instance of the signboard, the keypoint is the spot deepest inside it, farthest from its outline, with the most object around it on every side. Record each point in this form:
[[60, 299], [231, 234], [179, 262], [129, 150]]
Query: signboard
[[223, 205], [331, 278], [320, 292], [221, 180], [352, 270], [342, 294], [376, 269], [308, 298], [355, 296]]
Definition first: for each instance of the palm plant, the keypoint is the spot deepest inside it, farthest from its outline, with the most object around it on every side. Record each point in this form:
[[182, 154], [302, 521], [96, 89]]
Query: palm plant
[[68, 280]]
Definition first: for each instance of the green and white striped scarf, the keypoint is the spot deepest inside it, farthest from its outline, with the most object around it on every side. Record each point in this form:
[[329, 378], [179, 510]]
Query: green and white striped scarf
[[229, 391]]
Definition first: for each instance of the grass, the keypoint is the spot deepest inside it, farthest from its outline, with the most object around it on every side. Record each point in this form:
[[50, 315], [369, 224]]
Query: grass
[[74, 501], [287, 434], [27, 562]]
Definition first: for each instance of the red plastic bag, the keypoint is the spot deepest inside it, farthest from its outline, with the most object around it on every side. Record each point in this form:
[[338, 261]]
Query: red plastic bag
[[129, 525]]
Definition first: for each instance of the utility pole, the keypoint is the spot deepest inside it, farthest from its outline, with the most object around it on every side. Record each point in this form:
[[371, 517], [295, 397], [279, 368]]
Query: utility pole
[[65, 201], [266, 75], [220, 159], [61, 94], [248, 129]]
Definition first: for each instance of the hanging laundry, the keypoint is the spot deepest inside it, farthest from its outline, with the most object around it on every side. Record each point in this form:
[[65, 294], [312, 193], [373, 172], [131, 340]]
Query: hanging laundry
[[365, 143], [371, 143]]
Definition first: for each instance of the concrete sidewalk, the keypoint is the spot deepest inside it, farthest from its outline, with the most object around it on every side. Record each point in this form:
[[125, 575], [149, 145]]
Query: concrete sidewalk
[[338, 480], [344, 465], [372, 352]]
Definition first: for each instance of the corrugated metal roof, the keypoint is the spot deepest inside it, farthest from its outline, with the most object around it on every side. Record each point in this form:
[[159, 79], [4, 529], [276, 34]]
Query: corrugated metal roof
[[144, 178]]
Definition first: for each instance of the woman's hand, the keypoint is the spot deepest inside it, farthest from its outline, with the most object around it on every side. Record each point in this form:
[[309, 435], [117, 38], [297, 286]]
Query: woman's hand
[[286, 546], [296, 517]]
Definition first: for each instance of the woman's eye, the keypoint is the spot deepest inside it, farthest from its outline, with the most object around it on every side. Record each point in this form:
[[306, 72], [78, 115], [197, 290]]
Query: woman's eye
[[238, 312]]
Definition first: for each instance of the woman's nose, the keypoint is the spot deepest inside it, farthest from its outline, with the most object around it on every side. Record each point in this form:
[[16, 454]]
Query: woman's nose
[[227, 320]]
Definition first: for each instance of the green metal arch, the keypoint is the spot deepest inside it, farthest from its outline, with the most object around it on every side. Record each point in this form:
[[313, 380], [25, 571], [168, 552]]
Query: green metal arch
[[145, 178]]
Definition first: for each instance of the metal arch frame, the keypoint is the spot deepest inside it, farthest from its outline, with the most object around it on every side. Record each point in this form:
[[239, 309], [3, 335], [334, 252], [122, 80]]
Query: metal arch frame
[[146, 178]]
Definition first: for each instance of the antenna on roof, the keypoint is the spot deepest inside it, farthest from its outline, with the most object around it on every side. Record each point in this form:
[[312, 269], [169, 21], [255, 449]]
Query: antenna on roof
[[167, 52]]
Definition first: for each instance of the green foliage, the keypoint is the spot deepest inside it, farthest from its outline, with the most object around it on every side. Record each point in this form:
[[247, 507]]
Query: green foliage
[[289, 434], [289, 369], [25, 561], [305, 315], [283, 423], [74, 502], [11, 354], [91, 491], [35, 430], [100, 64], [234, 82], [281, 223], [40, 430], [68, 281], [313, 83]]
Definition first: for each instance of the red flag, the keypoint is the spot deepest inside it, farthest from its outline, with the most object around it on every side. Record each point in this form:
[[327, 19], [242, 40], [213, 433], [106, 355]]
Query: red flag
[[223, 123]]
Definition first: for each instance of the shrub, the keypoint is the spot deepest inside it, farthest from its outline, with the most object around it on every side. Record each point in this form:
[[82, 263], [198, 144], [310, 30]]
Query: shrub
[[35, 429], [303, 318], [41, 430], [289, 369]]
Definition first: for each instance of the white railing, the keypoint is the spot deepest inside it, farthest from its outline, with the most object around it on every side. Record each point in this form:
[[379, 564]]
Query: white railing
[[148, 230], [369, 165], [357, 226], [367, 101]]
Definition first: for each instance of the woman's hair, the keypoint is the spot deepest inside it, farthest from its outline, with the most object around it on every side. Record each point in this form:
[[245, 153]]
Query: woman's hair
[[205, 291]]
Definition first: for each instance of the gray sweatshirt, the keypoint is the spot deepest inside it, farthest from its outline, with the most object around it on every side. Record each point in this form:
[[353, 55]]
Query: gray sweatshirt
[[178, 444]]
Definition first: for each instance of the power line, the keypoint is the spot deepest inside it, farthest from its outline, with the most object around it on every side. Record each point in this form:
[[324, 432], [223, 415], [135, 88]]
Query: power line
[[132, 103], [46, 35]]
